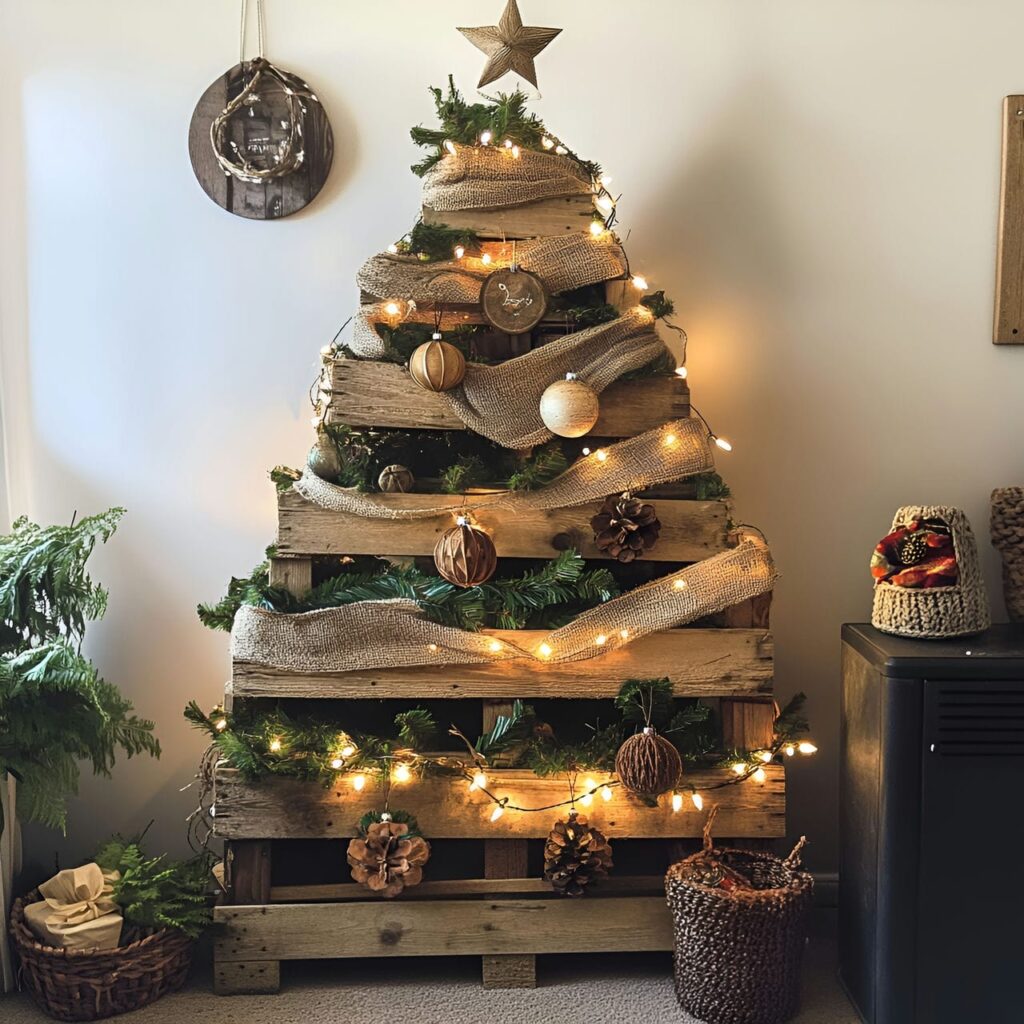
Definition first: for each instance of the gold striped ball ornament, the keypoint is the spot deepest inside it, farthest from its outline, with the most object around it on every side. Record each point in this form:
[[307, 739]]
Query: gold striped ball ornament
[[648, 764], [465, 555], [569, 408], [437, 366]]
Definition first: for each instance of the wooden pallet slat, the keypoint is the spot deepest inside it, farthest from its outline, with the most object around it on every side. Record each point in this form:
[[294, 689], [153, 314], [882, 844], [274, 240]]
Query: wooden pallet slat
[[690, 530], [700, 663], [442, 928], [292, 809], [372, 394]]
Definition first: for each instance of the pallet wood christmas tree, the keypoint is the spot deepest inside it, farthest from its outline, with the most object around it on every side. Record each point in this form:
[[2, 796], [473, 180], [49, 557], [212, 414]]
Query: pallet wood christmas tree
[[694, 608]]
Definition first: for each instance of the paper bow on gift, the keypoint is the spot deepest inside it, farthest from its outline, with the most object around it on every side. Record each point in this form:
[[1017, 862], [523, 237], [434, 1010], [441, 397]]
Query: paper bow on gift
[[77, 910]]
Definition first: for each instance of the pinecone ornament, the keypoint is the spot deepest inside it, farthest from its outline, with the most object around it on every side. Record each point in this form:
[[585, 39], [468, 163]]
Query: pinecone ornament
[[625, 527], [388, 859], [575, 856]]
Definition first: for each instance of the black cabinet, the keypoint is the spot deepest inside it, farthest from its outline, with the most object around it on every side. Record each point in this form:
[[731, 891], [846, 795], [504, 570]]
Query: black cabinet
[[931, 906]]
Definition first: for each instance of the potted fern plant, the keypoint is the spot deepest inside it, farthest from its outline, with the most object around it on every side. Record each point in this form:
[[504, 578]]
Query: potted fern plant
[[55, 708]]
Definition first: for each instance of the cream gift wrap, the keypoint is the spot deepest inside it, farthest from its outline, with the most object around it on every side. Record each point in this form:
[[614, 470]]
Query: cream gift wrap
[[77, 910]]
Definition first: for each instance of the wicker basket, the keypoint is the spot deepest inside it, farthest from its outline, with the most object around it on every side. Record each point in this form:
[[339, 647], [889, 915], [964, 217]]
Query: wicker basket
[[82, 985], [738, 952], [935, 613]]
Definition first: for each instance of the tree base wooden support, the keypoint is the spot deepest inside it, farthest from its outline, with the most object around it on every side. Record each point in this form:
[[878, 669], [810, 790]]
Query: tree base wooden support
[[247, 977]]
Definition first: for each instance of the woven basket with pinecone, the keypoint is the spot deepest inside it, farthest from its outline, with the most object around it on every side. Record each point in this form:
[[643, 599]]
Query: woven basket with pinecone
[[625, 527], [575, 855], [388, 859]]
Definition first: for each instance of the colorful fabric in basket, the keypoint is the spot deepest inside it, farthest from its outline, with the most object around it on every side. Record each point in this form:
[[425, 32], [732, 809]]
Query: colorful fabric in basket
[[918, 555]]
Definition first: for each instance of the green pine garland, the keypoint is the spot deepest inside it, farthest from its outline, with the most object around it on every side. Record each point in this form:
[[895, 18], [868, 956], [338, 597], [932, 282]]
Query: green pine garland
[[543, 598], [505, 117]]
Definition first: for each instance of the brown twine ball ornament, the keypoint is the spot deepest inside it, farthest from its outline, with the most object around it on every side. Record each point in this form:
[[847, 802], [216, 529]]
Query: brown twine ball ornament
[[324, 459], [396, 479], [569, 408], [437, 366], [389, 855], [513, 300], [465, 555], [648, 764]]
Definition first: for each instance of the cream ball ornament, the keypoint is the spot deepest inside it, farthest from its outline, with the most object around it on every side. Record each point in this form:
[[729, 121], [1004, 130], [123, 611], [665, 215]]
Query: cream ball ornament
[[569, 408]]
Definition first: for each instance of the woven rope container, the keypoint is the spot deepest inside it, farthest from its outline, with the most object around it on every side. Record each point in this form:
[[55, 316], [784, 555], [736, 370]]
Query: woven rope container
[[79, 985], [936, 612], [738, 952]]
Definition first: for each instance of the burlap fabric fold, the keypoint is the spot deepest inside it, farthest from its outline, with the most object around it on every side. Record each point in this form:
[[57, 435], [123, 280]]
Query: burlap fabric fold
[[678, 450], [502, 402], [489, 177], [393, 634], [562, 262]]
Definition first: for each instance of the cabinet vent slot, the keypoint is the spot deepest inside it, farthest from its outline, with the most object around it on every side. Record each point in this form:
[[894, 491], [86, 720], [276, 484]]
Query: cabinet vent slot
[[978, 723]]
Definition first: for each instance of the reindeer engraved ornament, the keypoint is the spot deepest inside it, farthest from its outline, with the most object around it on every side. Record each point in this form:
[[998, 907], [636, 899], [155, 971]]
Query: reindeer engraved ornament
[[513, 300]]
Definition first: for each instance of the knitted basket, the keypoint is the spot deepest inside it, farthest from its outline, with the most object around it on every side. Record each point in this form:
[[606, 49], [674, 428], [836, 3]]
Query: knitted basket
[[936, 612], [1008, 538], [83, 985], [738, 952]]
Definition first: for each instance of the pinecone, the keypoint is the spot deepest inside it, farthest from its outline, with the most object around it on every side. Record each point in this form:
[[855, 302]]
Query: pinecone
[[575, 855], [913, 548], [625, 527], [388, 859]]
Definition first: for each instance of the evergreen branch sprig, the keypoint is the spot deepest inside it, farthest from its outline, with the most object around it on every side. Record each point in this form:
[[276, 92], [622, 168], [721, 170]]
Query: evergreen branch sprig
[[505, 116], [538, 598]]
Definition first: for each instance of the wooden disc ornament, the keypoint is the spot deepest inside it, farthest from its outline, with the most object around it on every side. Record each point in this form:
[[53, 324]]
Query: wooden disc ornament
[[465, 555], [648, 764], [396, 479], [513, 300], [569, 408], [437, 366], [260, 142]]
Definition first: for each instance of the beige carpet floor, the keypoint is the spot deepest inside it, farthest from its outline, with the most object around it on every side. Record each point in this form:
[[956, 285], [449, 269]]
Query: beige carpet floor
[[608, 988]]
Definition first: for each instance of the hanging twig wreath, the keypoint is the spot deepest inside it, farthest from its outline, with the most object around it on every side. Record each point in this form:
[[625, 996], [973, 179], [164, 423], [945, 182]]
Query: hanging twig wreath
[[260, 142]]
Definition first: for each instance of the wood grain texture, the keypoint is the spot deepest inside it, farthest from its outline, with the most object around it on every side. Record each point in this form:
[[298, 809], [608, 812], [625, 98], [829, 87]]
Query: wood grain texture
[[466, 888], [249, 871], [700, 663], [293, 574], [273, 199], [293, 809], [747, 724], [544, 217], [505, 858], [690, 530], [442, 928], [370, 394], [246, 977], [1008, 326]]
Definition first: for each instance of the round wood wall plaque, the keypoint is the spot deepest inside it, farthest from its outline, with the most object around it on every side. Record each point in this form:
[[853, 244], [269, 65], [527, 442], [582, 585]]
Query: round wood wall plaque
[[258, 129], [514, 301]]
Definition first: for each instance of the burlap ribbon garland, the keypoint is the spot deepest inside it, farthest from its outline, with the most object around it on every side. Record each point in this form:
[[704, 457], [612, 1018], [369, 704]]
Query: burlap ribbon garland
[[503, 402], [393, 634], [489, 177], [678, 450], [562, 262]]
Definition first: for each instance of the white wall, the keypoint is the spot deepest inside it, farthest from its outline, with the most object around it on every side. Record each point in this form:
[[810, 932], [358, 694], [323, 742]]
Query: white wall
[[814, 183]]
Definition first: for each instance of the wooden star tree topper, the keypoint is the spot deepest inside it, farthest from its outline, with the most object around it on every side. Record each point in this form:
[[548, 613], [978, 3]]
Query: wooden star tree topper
[[510, 46]]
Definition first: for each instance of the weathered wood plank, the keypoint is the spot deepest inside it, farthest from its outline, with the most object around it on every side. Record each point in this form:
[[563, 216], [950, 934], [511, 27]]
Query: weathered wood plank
[[690, 530], [293, 574], [1008, 326], [748, 724], [467, 888], [544, 217], [246, 977], [700, 663], [293, 809], [442, 928], [249, 871], [367, 394]]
